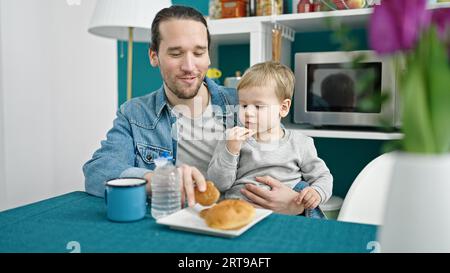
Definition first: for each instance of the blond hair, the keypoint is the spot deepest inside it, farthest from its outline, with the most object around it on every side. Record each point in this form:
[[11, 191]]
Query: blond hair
[[270, 73]]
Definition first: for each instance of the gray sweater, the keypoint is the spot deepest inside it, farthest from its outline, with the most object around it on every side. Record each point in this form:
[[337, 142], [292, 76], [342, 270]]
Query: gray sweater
[[289, 160]]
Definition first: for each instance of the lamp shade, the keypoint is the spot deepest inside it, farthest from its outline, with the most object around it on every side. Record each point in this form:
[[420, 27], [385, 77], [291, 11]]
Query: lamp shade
[[112, 18]]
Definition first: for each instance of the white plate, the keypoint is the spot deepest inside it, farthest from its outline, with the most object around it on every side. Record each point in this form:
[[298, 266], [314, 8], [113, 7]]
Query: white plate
[[188, 219]]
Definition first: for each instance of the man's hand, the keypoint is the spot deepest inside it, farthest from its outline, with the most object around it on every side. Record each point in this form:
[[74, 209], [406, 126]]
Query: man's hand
[[189, 176], [279, 199], [148, 187], [309, 197], [235, 137]]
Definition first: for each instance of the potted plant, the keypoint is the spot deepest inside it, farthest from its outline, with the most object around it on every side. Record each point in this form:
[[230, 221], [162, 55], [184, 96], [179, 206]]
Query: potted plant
[[417, 218]]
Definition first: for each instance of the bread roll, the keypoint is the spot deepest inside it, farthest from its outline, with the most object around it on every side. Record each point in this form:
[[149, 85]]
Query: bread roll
[[229, 214], [209, 196]]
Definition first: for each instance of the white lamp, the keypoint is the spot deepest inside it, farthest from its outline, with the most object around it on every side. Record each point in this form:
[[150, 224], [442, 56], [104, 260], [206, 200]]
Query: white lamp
[[126, 20]]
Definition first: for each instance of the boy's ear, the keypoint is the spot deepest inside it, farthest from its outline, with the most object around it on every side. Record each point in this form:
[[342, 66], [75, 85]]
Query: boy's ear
[[153, 56], [284, 107]]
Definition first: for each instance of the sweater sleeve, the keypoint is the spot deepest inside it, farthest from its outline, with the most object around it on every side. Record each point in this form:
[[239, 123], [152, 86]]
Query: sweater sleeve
[[223, 167], [315, 171]]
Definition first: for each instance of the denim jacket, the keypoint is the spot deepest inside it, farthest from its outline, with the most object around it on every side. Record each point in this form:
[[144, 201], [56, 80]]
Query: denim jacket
[[143, 130]]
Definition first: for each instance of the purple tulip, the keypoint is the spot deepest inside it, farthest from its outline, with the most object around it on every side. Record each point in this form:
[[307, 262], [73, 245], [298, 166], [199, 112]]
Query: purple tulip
[[441, 18], [396, 24]]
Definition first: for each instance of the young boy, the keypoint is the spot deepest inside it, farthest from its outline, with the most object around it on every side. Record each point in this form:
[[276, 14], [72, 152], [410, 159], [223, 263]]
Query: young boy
[[262, 147]]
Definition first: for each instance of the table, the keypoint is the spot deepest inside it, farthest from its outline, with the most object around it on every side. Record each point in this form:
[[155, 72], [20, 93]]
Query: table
[[77, 222]]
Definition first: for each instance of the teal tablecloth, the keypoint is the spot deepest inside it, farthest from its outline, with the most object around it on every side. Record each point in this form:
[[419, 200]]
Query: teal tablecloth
[[50, 225]]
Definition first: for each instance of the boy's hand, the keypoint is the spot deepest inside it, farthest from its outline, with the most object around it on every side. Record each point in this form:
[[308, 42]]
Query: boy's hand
[[235, 137], [309, 197]]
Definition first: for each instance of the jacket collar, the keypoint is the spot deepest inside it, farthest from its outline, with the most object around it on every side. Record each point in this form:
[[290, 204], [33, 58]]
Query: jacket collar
[[217, 97]]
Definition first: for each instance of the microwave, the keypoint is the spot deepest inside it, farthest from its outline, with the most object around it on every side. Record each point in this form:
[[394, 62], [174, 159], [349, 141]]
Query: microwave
[[332, 88]]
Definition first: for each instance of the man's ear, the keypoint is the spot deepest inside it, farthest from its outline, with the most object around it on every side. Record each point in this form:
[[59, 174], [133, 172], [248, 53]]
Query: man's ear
[[153, 56], [284, 107]]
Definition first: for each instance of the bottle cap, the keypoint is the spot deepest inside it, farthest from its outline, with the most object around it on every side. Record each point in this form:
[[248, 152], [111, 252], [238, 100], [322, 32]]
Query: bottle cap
[[166, 155], [163, 158]]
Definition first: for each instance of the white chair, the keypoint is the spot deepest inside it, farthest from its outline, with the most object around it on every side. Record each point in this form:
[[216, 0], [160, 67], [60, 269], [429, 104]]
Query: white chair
[[365, 201]]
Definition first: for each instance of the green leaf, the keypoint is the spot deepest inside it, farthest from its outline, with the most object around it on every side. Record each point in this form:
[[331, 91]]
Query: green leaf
[[341, 35], [359, 58], [438, 75], [416, 116], [365, 82], [392, 145], [372, 103]]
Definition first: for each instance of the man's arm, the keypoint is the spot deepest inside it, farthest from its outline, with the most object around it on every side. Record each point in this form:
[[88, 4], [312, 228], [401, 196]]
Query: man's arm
[[114, 159]]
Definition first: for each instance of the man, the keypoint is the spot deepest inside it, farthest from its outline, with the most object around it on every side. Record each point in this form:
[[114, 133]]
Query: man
[[172, 118]]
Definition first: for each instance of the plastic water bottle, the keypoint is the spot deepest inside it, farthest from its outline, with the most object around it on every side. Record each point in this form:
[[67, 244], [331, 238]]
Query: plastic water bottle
[[166, 187]]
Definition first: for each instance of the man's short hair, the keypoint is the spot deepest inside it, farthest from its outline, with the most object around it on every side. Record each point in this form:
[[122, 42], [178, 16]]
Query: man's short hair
[[270, 73], [175, 12]]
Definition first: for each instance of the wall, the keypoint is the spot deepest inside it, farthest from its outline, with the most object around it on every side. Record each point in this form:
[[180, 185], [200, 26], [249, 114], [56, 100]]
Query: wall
[[345, 157], [59, 88], [2, 150]]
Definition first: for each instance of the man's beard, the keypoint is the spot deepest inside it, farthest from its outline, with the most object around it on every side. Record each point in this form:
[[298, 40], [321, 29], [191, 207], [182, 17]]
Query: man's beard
[[182, 95]]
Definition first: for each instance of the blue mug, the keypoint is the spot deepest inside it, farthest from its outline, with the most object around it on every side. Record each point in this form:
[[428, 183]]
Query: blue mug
[[126, 199]]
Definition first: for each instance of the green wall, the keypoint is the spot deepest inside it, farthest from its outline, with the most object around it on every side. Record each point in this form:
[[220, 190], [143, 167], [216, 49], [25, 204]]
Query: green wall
[[344, 157]]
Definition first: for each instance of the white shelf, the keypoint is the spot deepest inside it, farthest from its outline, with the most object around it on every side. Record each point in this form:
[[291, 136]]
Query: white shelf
[[348, 134], [315, 21], [237, 30], [233, 30], [256, 30]]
